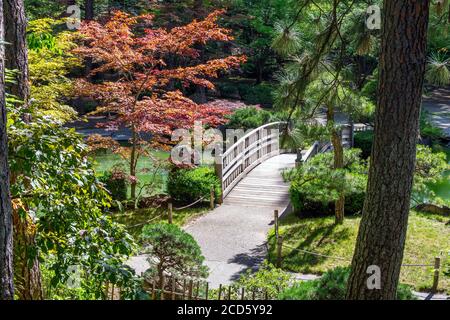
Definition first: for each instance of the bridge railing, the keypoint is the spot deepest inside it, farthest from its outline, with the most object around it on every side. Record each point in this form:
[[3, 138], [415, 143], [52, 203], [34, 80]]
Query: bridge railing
[[249, 151]]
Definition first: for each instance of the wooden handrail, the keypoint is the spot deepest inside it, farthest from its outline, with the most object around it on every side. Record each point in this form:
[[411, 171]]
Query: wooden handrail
[[253, 148]]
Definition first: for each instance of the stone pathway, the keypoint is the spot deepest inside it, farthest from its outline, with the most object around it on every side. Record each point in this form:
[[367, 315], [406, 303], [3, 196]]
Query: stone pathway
[[437, 103], [233, 236]]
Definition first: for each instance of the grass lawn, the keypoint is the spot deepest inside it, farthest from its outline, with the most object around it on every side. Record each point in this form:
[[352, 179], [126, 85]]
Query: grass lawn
[[427, 237], [135, 220], [106, 160]]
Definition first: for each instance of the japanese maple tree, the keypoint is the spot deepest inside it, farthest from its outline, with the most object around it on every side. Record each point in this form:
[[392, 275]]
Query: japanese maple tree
[[151, 67]]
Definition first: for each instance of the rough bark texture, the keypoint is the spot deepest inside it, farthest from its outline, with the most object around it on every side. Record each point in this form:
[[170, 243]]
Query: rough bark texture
[[6, 232], [338, 153], [27, 273], [26, 268], [382, 232], [16, 50]]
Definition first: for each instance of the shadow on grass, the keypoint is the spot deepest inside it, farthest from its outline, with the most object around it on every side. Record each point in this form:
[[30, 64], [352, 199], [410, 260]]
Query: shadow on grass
[[317, 235]]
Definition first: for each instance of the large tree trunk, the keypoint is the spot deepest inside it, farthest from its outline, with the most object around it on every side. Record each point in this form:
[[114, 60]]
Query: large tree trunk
[[6, 232], [383, 227], [26, 268], [16, 49]]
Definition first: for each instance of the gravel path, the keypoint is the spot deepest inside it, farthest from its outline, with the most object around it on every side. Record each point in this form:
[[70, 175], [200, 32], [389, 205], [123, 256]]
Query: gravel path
[[233, 236], [437, 103]]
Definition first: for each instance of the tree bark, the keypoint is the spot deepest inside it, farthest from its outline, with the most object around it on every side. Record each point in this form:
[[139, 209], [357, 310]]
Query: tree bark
[[383, 227], [338, 152], [27, 272], [16, 49], [26, 268], [133, 163], [88, 15], [89, 9], [6, 232]]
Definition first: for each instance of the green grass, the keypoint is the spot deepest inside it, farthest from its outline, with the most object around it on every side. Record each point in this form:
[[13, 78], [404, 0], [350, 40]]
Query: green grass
[[106, 160], [135, 220], [427, 237]]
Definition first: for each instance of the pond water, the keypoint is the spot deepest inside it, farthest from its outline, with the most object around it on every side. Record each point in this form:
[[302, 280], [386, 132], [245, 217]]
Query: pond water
[[442, 188]]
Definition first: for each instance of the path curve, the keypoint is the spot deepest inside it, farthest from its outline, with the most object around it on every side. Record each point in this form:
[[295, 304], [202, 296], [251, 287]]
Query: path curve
[[233, 236]]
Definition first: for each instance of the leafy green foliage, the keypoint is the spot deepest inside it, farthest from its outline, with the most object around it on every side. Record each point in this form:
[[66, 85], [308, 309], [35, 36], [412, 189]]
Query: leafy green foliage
[[315, 184], [53, 180], [116, 183], [371, 86], [50, 62], [364, 140], [254, 25], [429, 169], [176, 251], [331, 286], [268, 280], [261, 94], [438, 70], [248, 118], [189, 185], [428, 130]]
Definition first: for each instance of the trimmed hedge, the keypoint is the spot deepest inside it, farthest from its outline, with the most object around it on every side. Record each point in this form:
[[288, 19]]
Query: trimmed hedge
[[188, 185], [305, 207]]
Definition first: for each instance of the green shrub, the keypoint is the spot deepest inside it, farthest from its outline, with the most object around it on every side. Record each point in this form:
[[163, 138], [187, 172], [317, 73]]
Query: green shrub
[[257, 94], [268, 280], [316, 185], [305, 207], [370, 88], [175, 250], [248, 118], [364, 141], [116, 183], [331, 286], [189, 185], [428, 130]]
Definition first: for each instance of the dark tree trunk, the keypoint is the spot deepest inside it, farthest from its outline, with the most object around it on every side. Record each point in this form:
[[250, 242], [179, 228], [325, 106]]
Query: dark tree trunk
[[88, 15], [382, 232], [26, 268], [259, 71], [6, 232], [16, 49], [338, 153], [89, 9]]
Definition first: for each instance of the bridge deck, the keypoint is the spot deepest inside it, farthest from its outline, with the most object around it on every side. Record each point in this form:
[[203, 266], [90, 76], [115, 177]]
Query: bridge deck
[[264, 185], [233, 236]]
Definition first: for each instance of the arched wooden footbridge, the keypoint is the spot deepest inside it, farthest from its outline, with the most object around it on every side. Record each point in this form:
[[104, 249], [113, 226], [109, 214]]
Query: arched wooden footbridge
[[233, 236], [250, 170]]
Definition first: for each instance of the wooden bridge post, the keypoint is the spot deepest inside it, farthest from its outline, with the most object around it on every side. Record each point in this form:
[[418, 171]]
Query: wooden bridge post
[[219, 174], [211, 197], [437, 266], [170, 212], [275, 222], [279, 251]]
